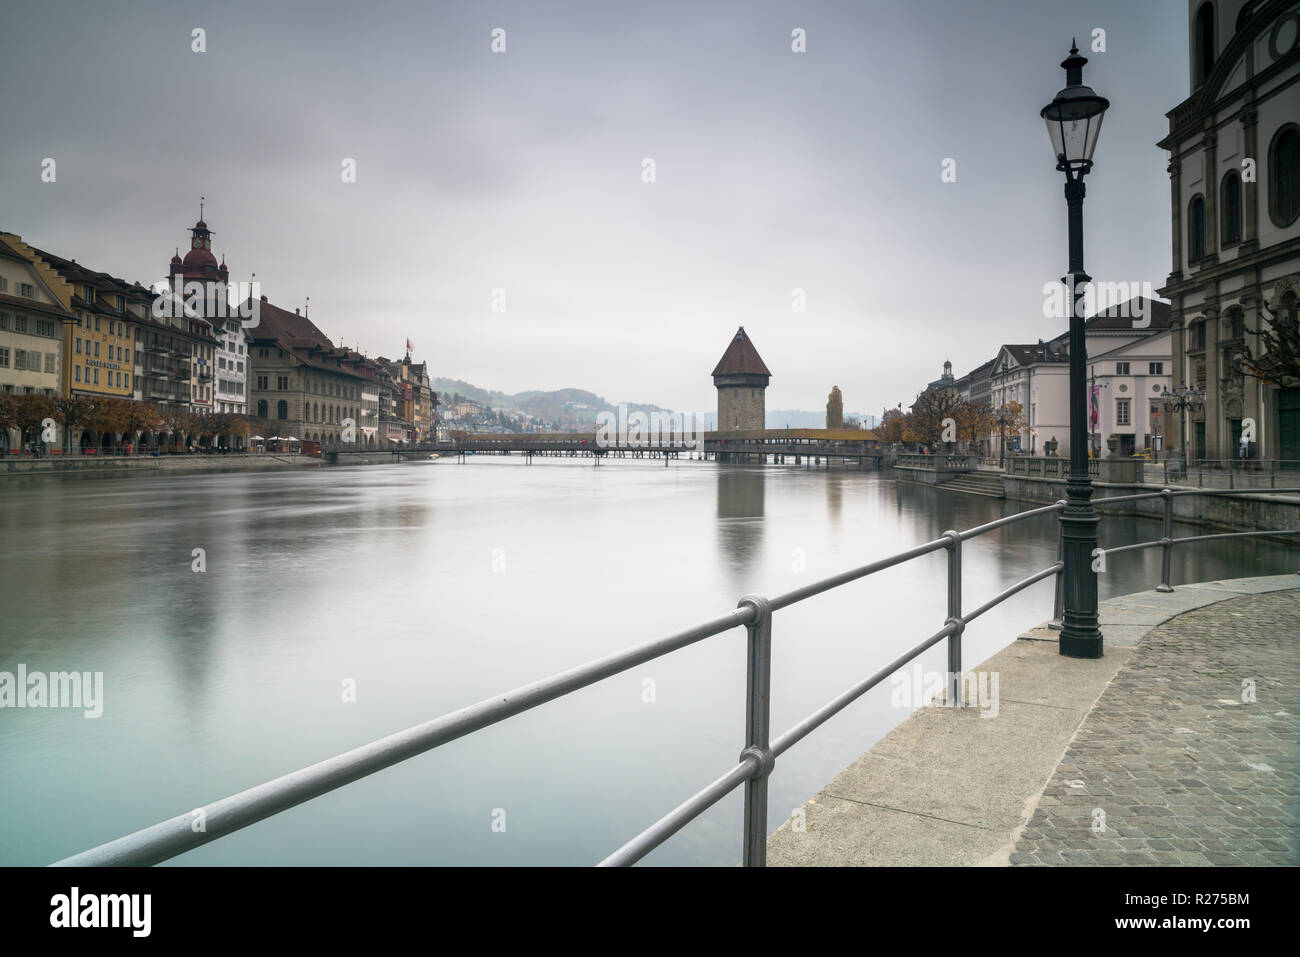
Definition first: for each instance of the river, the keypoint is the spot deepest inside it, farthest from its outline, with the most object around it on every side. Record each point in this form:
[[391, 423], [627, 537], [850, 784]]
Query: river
[[428, 586]]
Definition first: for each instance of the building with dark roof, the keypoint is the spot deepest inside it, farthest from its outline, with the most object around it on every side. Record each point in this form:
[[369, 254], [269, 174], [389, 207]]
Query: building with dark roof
[[741, 378], [1129, 335], [304, 386], [33, 328]]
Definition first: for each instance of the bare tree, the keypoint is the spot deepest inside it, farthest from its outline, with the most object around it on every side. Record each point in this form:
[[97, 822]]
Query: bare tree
[[1278, 361]]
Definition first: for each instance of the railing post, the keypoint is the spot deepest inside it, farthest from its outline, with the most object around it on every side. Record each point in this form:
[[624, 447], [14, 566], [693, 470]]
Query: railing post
[[1058, 600], [758, 715], [1167, 543], [954, 618]]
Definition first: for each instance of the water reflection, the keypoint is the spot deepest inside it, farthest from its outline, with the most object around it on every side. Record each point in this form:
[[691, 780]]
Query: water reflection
[[740, 491], [834, 493]]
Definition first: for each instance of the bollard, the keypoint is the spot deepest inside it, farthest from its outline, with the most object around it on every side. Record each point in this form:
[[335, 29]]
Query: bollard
[[1167, 543]]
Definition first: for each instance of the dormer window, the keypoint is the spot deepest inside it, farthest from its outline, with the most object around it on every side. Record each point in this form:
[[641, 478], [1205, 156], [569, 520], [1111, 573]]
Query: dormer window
[[88, 293]]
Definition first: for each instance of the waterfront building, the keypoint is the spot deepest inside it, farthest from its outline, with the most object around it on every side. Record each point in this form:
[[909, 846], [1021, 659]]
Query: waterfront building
[[974, 386], [220, 381], [425, 405], [1128, 348], [304, 387], [33, 329], [741, 378], [99, 344], [1127, 384], [396, 403], [1037, 377], [123, 347], [1234, 172], [368, 424]]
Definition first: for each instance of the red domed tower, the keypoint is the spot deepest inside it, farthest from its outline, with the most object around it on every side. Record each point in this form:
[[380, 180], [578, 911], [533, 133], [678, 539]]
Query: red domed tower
[[199, 264]]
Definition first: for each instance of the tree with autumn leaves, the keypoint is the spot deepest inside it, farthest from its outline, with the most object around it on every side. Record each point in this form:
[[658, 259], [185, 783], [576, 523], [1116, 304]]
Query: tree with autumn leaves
[[890, 428], [26, 413], [935, 409], [75, 412], [79, 413], [1011, 424]]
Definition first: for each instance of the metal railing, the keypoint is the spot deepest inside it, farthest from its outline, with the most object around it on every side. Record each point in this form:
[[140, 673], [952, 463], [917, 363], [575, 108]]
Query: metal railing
[[754, 765], [1166, 542]]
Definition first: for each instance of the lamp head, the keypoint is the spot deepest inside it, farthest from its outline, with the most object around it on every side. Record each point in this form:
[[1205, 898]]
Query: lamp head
[[1073, 118]]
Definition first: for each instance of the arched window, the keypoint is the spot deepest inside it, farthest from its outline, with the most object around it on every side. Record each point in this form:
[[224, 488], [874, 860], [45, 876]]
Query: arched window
[[1203, 37], [261, 409], [1196, 229], [1236, 323], [282, 409], [1230, 194], [1284, 176]]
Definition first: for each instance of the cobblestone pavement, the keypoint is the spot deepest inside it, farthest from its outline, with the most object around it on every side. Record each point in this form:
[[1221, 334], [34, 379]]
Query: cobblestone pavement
[[1172, 767]]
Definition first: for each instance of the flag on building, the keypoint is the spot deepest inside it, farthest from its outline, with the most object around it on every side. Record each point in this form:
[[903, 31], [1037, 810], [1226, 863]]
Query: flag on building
[[1094, 413]]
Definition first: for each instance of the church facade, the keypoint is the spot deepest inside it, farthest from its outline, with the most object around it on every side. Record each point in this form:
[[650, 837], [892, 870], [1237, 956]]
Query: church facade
[[1234, 169]]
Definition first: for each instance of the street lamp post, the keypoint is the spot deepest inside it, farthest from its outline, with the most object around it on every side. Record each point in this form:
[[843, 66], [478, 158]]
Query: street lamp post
[[1073, 121], [1182, 399]]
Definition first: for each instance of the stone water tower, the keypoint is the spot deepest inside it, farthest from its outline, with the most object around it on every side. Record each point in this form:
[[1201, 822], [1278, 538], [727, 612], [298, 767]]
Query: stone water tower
[[741, 379]]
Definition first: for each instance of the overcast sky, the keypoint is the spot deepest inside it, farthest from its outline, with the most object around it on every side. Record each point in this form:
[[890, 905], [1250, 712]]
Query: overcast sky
[[522, 171]]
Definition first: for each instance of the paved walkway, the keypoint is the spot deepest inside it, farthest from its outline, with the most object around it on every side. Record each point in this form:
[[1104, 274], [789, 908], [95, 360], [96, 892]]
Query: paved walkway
[[1161, 755], [1172, 766]]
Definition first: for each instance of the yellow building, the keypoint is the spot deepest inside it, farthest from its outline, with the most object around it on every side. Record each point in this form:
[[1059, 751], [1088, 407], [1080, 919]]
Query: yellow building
[[100, 349]]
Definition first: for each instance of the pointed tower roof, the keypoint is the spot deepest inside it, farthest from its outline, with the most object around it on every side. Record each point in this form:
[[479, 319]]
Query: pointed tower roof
[[741, 358]]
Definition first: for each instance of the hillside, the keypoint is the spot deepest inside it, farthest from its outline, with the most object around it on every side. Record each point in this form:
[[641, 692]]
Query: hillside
[[575, 407], [579, 408]]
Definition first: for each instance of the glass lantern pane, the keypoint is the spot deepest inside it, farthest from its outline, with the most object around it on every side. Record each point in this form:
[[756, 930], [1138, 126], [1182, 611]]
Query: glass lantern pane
[[1094, 127], [1075, 133], [1054, 131]]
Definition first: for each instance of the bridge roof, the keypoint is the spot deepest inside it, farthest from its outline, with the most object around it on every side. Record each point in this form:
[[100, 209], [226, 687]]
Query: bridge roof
[[824, 435], [741, 358]]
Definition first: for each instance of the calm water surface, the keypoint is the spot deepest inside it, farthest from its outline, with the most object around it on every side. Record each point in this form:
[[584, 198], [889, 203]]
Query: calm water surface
[[434, 585]]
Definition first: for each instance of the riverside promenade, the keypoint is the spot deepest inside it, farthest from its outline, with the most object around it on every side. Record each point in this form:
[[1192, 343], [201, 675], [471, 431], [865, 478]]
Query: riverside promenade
[[49, 465], [1180, 747]]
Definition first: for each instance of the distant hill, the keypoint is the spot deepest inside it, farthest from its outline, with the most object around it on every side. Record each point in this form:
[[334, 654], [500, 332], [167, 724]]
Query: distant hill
[[579, 408], [469, 391], [570, 407]]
